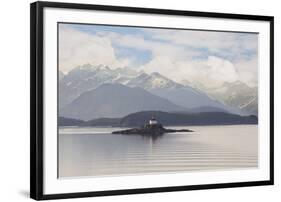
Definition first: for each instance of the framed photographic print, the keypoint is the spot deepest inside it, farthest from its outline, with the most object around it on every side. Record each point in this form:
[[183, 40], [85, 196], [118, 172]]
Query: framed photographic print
[[131, 100]]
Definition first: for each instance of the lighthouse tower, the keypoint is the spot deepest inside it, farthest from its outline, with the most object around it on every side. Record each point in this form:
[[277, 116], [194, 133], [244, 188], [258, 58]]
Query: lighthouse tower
[[153, 121]]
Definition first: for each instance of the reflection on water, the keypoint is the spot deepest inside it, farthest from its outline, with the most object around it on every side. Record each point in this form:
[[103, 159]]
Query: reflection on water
[[97, 152]]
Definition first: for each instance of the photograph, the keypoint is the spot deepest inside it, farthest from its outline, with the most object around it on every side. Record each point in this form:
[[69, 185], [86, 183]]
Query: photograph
[[136, 100], [132, 100]]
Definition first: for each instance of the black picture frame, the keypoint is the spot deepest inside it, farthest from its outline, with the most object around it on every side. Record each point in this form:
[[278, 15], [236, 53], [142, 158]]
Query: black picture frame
[[36, 98]]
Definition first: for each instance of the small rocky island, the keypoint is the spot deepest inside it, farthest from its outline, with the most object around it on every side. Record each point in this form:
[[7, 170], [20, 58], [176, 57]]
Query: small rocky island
[[152, 128]]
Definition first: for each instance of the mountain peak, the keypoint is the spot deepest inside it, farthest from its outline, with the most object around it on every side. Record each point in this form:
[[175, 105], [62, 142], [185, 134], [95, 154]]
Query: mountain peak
[[236, 83], [83, 67], [152, 81], [103, 67], [90, 67], [156, 74], [238, 96]]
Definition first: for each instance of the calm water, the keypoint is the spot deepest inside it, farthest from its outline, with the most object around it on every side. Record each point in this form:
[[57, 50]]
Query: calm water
[[96, 152]]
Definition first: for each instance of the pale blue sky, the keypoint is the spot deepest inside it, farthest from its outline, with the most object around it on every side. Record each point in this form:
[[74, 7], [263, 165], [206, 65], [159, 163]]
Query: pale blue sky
[[149, 48], [143, 56]]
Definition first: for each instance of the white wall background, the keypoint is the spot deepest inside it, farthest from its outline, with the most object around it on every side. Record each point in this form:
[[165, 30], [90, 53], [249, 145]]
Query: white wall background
[[14, 101]]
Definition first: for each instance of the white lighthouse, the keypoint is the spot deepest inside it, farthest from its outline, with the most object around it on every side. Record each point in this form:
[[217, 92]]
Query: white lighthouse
[[153, 121]]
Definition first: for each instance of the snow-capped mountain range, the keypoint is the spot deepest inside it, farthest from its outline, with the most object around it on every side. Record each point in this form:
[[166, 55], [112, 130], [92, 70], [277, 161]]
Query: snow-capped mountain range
[[237, 95], [152, 81], [86, 78]]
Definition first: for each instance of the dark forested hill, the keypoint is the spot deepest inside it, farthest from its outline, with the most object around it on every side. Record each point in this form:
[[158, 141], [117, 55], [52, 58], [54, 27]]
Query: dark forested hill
[[204, 118], [165, 118]]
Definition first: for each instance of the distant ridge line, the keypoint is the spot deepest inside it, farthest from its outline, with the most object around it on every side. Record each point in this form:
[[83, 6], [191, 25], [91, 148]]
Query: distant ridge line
[[165, 118]]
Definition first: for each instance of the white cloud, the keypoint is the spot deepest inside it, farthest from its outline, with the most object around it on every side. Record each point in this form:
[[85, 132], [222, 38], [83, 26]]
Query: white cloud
[[211, 72], [248, 71], [78, 48], [174, 55], [155, 47]]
